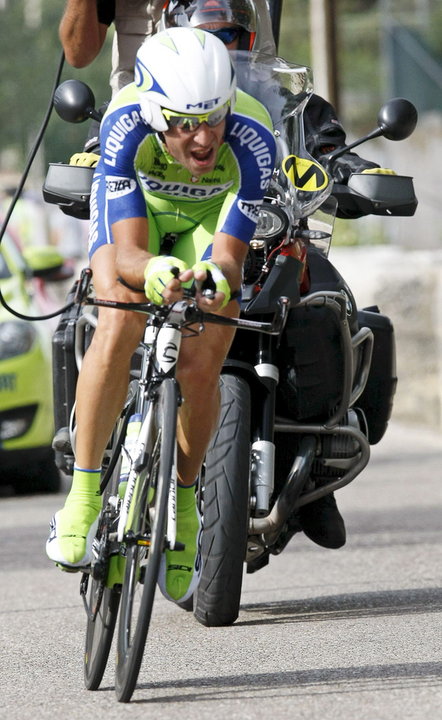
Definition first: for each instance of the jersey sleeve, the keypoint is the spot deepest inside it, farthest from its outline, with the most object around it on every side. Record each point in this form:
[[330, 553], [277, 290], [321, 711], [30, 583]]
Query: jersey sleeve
[[253, 147], [122, 133]]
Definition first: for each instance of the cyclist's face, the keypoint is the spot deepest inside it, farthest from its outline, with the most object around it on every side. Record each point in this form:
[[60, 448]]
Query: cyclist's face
[[196, 151]]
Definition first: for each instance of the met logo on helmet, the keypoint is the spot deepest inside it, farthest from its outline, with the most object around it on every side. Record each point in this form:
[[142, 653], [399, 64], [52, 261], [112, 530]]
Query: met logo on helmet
[[204, 104]]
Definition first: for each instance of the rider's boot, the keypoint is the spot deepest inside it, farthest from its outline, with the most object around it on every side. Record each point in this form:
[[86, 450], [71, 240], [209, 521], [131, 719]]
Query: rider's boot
[[181, 569], [73, 527], [322, 522]]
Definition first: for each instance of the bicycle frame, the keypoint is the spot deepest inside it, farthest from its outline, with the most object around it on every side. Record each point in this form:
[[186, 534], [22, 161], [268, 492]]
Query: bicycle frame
[[161, 346]]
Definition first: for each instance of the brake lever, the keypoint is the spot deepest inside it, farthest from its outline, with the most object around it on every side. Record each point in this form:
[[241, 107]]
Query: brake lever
[[83, 285], [280, 316], [206, 287]]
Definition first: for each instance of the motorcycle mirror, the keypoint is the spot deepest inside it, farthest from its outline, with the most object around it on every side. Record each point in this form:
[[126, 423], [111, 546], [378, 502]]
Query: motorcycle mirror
[[74, 102], [397, 119]]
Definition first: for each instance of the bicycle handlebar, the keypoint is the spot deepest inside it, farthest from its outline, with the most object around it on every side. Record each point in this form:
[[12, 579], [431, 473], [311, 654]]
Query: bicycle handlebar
[[184, 312]]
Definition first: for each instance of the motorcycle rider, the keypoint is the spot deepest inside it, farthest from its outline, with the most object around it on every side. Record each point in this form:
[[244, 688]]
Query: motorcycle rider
[[84, 25], [169, 171], [236, 22], [323, 130]]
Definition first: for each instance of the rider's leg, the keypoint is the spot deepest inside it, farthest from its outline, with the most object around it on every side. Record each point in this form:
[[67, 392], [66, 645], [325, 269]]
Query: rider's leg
[[200, 362], [101, 391], [199, 367]]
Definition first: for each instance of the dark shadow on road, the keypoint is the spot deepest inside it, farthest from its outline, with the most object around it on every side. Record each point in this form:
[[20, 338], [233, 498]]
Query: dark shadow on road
[[366, 678], [342, 607]]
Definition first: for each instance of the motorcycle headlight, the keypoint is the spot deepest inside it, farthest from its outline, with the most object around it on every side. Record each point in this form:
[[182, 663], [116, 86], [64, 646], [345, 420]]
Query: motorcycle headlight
[[16, 338], [272, 223]]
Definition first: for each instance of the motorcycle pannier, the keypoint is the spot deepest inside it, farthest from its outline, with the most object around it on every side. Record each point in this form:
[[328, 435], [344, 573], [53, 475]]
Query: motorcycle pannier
[[65, 373], [310, 365], [377, 399]]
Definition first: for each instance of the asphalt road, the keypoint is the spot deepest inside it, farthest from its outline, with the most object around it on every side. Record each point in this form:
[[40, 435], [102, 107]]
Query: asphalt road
[[354, 633]]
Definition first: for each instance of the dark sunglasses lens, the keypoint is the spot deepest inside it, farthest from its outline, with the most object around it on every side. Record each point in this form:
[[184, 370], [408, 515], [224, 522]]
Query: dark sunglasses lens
[[217, 116], [185, 123], [227, 35]]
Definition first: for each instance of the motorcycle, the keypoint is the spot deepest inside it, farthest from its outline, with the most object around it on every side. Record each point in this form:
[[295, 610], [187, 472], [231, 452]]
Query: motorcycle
[[299, 412]]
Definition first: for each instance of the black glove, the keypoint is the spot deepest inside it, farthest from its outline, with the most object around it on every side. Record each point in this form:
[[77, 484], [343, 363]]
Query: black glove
[[350, 163]]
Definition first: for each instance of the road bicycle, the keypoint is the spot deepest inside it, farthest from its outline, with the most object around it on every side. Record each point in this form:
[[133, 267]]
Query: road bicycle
[[138, 518]]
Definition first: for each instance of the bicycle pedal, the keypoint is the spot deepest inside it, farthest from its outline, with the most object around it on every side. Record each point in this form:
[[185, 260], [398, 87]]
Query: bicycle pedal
[[62, 441]]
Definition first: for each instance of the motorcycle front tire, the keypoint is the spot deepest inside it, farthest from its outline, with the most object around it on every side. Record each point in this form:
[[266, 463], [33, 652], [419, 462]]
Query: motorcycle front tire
[[225, 508]]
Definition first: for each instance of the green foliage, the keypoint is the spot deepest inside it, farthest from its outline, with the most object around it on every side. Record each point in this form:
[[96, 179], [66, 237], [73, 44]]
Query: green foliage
[[362, 67], [294, 43], [28, 64]]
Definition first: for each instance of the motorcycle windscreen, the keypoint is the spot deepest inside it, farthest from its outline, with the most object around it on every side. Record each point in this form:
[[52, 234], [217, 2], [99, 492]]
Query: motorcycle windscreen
[[284, 89]]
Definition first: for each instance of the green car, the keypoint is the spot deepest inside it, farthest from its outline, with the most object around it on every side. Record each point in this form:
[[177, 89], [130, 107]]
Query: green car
[[26, 404]]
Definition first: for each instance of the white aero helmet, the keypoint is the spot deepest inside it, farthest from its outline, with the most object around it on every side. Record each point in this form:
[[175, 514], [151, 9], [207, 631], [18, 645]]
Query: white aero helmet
[[185, 71]]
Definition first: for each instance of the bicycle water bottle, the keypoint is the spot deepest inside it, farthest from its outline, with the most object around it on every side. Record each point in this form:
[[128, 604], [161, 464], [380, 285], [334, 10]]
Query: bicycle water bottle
[[133, 429]]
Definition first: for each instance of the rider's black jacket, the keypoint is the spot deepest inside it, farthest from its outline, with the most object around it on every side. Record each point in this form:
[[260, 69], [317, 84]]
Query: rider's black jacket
[[324, 133]]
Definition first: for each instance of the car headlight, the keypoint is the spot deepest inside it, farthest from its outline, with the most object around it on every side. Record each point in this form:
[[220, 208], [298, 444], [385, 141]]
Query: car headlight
[[16, 338], [272, 223]]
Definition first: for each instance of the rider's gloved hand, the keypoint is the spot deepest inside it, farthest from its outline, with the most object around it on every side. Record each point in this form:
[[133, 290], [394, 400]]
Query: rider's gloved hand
[[158, 273], [220, 282], [84, 159], [378, 171], [348, 164]]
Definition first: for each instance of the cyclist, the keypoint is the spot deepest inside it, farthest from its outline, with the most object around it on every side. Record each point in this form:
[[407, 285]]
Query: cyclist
[[182, 152]]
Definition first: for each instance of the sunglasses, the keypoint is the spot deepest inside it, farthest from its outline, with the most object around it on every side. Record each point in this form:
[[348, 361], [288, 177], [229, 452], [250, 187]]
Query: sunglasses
[[190, 123], [227, 35]]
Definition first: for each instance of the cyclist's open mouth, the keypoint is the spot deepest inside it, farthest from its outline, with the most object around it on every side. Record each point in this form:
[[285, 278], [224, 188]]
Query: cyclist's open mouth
[[203, 158]]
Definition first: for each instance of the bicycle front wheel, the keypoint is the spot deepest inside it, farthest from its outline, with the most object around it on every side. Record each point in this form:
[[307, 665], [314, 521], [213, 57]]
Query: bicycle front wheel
[[145, 538], [101, 598]]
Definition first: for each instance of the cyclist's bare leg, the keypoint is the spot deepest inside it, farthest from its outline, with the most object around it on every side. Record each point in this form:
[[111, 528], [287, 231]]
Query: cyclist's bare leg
[[199, 366], [101, 391], [200, 363], [102, 383]]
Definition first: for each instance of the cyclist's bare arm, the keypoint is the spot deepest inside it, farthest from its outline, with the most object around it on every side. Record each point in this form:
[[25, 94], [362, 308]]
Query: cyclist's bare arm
[[132, 257], [229, 253], [131, 238]]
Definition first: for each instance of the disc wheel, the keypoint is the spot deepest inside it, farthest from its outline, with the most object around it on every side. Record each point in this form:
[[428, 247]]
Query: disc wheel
[[145, 533], [225, 506]]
